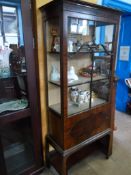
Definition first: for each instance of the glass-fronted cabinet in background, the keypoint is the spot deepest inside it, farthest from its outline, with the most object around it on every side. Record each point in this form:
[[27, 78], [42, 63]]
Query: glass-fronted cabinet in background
[[20, 133]]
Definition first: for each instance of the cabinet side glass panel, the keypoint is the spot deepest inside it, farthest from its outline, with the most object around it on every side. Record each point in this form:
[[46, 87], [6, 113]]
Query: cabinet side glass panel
[[13, 72], [79, 41], [17, 142], [102, 63], [53, 64]]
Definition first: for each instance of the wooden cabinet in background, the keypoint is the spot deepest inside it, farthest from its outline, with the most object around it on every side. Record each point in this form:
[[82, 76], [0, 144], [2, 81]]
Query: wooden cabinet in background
[[80, 52], [20, 120]]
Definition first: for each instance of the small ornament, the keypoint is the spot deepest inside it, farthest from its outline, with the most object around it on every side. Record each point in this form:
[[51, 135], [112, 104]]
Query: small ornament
[[74, 94], [55, 75], [72, 75]]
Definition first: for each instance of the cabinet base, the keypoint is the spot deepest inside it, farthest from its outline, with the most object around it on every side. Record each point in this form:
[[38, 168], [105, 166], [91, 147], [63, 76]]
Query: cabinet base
[[62, 160]]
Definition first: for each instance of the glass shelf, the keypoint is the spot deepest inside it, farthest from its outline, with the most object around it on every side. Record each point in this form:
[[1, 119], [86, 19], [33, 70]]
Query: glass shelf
[[82, 80], [74, 108]]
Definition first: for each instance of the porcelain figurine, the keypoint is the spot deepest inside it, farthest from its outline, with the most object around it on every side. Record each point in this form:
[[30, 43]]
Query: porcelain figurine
[[87, 96], [72, 75]]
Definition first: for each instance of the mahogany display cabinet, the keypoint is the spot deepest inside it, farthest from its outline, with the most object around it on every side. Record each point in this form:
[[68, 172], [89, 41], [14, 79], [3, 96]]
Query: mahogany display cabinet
[[20, 120], [80, 52]]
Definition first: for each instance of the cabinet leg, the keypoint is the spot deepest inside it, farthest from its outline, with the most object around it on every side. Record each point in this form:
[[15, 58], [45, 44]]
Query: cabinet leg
[[47, 153], [64, 166], [109, 145]]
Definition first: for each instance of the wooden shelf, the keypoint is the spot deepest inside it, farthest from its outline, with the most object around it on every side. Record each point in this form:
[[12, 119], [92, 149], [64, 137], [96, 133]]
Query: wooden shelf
[[13, 116], [82, 80]]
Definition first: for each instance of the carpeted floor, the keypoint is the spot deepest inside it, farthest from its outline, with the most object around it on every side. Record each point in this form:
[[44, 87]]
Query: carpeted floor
[[120, 161]]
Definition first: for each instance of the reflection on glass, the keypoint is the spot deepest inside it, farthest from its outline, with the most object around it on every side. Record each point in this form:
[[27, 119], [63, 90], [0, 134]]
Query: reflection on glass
[[53, 64], [13, 79], [105, 34], [17, 141], [101, 67], [100, 92], [10, 20], [0, 26], [80, 35], [0, 23], [10, 24]]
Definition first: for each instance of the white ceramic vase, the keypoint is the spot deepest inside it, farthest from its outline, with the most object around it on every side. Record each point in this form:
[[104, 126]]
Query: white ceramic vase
[[72, 75], [55, 75]]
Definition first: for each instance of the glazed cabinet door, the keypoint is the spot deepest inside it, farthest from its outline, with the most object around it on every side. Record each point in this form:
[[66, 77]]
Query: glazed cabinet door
[[18, 146], [89, 61]]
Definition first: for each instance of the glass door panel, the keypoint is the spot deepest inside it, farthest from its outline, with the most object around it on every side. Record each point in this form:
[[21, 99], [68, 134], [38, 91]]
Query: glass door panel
[[10, 24], [90, 54], [100, 92], [53, 64], [104, 36], [102, 63], [13, 72], [80, 40], [17, 141]]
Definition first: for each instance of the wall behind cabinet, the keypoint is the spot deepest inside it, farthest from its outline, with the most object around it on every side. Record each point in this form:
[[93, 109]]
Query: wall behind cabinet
[[42, 2]]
